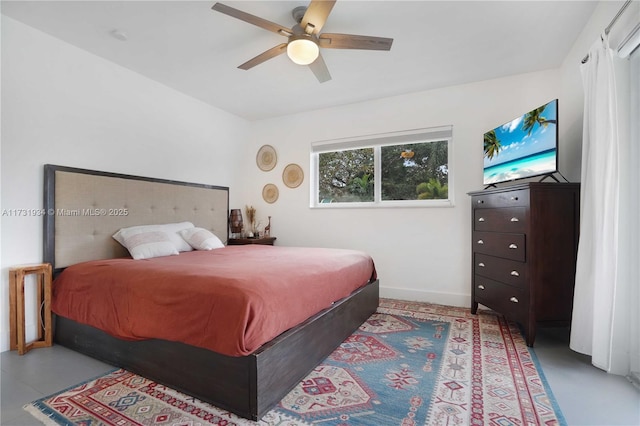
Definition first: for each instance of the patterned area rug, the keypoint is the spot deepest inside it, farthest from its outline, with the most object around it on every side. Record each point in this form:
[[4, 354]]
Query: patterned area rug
[[409, 364]]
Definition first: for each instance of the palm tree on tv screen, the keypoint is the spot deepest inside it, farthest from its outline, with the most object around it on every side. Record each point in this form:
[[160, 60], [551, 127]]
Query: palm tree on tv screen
[[492, 145], [535, 117]]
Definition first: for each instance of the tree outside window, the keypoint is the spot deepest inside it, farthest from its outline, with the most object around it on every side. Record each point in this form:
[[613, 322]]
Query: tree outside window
[[394, 169], [415, 171], [346, 176]]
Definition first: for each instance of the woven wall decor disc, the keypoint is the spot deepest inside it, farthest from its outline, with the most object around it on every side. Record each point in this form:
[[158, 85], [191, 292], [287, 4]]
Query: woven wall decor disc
[[266, 158], [270, 193], [293, 175]]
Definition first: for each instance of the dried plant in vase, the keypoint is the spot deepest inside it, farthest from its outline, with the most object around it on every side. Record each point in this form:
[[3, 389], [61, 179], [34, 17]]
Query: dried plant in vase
[[251, 217]]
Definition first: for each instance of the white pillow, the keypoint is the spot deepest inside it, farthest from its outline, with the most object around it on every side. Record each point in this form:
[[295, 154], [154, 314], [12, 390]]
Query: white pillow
[[149, 244], [201, 239], [171, 229]]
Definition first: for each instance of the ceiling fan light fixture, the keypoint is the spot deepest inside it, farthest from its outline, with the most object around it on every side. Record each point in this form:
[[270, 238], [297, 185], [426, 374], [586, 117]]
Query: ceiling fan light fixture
[[302, 50]]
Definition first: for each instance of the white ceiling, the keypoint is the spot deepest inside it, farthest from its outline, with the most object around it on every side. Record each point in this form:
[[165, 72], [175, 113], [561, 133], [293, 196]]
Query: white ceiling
[[191, 48]]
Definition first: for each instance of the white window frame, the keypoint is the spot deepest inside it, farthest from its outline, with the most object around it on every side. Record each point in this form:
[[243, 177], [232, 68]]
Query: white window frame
[[432, 134]]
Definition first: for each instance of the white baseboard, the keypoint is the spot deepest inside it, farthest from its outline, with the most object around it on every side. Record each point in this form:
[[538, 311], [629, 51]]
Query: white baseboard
[[440, 298]]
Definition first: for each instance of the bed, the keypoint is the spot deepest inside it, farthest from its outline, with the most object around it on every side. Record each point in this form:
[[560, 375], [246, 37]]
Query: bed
[[85, 208]]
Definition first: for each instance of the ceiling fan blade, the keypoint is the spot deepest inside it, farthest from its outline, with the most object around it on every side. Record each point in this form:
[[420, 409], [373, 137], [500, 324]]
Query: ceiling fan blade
[[316, 15], [252, 19], [320, 69], [264, 56], [352, 41]]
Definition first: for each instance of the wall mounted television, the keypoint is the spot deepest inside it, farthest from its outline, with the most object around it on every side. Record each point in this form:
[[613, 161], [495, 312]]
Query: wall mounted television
[[524, 147]]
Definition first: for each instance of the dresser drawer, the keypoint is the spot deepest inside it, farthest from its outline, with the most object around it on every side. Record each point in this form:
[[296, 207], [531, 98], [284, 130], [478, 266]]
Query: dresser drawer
[[511, 219], [504, 270], [508, 246], [518, 198], [508, 300]]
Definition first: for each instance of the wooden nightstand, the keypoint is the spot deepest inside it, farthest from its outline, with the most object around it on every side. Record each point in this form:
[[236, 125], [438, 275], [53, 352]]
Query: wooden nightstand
[[17, 308], [266, 241]]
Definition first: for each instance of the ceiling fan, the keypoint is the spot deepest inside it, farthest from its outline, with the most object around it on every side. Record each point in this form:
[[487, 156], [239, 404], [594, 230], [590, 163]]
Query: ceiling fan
[[304, 38]]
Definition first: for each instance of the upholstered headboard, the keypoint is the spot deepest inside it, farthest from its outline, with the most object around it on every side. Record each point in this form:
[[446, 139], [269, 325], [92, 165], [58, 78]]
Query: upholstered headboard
[[84, 208]]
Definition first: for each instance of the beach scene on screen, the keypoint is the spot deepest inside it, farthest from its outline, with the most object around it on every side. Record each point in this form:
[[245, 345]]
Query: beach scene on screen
[[523, 147]]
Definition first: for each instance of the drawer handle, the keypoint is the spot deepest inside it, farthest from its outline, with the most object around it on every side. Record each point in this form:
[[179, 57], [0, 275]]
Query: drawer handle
[[515, 219], [481, 264], [513, 246], [515, 274], [480, 242], [480, 201], [514, 300], [514, 198], [481, 219], [481, 287]]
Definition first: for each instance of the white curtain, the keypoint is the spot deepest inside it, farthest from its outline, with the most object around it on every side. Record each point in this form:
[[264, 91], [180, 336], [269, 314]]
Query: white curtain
[[596, 269], [606, 312], [634, 223]]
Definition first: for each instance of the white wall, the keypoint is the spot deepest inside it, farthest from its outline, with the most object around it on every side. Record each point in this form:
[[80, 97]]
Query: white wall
[[62, 105], [420, 253]]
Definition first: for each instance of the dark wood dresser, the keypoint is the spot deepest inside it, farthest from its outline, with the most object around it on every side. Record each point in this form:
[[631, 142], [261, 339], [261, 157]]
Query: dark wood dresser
[[524, 247]]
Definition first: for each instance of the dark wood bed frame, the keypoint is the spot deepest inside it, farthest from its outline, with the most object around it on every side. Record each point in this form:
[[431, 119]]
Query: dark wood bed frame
[[248, 386]]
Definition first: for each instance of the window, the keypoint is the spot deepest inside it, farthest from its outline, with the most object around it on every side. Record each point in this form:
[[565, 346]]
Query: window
[[346, 176], [398, 169]]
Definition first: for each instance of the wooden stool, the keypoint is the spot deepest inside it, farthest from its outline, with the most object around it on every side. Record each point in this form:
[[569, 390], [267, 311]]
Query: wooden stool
[[16, 307]]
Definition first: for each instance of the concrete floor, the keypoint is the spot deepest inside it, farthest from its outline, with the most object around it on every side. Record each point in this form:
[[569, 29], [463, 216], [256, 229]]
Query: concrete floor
[[586, 395]]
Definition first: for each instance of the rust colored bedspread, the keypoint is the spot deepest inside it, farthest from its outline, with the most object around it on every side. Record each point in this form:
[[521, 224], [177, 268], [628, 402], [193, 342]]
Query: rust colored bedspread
[[230, 300]]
